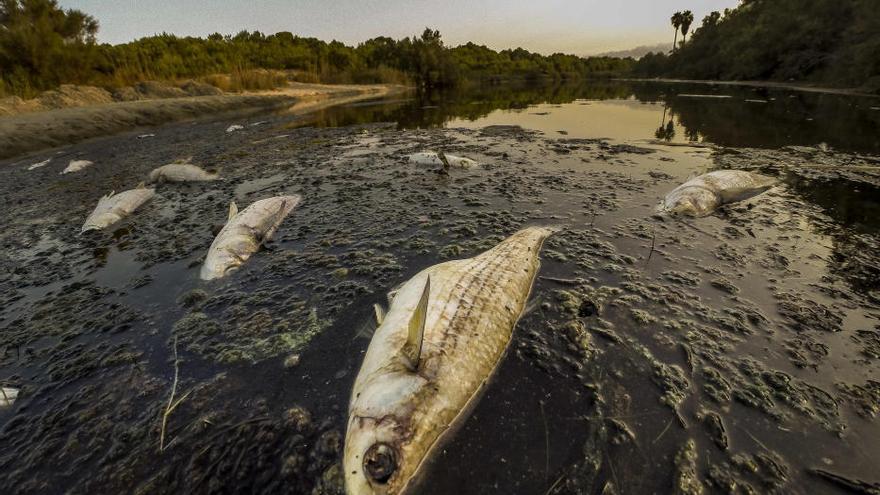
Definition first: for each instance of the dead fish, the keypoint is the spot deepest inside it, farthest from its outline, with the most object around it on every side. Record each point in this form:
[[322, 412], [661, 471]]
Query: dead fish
[[429, 360], [700, 196], [40, 164], [441, 160], [114, 207], [244, 233], [76, 166], [181, 172], [8, 396]]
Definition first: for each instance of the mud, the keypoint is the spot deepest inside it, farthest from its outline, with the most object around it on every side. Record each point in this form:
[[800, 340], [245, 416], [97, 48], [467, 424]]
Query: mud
[[736, 353]]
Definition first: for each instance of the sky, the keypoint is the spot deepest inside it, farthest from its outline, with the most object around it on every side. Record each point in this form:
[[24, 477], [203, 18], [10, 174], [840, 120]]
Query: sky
[[581, 27]]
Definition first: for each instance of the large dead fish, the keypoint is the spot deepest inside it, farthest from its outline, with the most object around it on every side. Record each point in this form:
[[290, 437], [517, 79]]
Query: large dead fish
[[181, 172], [435, 349], [244, 233], [700, 196], [114, 207], [76, 166], [441, 160]]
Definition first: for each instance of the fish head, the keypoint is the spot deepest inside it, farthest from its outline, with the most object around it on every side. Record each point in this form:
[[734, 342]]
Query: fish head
[[221, 262], [382, 451], [690, 201]]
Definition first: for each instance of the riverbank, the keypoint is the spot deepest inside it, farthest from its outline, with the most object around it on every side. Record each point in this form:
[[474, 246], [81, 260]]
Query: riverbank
[[33, 131], [759, 84]]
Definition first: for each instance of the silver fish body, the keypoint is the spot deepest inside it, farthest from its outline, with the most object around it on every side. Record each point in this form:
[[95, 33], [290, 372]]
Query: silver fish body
[[398, 414], [114, 207], [433, 158], [181, 172], [244, 233], [76, 166], [701, 195]]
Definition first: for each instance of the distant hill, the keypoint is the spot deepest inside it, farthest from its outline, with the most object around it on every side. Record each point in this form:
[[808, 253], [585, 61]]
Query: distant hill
[[828, 42], [639, 51]]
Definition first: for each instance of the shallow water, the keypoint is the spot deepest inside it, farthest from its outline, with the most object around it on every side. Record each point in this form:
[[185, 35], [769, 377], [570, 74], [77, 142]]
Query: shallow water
[[753, 332]]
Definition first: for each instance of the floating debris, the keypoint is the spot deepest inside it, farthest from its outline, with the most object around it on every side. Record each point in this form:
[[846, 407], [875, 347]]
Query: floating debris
[[8, 395], [441, 160], [114, 207], [76, 166], [244, 233], [40, 164], [145, 136], [414, 382], [234, 127]]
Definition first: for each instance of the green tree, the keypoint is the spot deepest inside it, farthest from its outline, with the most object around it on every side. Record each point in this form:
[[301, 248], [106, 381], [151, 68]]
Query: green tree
[[42, 45], [687, 18], [676, 21]]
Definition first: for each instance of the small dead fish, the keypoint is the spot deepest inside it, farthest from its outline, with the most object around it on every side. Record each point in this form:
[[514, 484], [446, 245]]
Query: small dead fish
[[435, 349], [244, 233], [700, 196], [434, 158], [76, 166], [114, 207], [40, 164], [180, 172]]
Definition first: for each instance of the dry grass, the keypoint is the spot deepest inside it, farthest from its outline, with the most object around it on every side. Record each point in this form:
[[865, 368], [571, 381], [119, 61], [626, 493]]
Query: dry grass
[[247, 79]]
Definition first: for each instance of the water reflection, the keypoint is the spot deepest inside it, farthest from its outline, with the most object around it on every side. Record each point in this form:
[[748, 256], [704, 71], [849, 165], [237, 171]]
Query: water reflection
[[781, 118]]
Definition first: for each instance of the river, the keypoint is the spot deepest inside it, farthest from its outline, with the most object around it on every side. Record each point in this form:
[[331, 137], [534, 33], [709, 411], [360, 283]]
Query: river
[[737, 352]]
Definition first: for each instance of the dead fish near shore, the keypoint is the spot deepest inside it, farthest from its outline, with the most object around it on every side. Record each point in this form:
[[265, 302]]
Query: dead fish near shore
[[700, 196], [244, 233], [181, 172], [76, 166], [441, 160], [114, 207], [429, 360]]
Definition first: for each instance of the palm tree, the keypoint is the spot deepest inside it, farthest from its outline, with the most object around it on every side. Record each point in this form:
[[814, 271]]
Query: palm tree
[[687, 18], [676, 23]]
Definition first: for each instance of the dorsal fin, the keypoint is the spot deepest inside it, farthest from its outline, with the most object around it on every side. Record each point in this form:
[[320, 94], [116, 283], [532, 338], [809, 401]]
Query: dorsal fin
[[140, 185], [233, 210], [412, 349], [380, 313]]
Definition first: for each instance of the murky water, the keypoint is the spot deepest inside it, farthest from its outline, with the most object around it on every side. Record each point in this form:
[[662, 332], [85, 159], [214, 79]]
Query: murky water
[[737, 352]]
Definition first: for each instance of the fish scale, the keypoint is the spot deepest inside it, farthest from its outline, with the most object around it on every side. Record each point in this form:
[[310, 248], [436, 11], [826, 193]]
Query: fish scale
[[472, 308]]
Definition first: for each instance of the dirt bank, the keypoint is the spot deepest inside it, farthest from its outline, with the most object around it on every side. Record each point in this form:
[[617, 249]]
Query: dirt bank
[[762, 84], [32, 131]]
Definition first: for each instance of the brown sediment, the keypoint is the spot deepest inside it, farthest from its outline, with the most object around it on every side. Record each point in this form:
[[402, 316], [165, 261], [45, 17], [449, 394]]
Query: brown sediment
[[33, 131]]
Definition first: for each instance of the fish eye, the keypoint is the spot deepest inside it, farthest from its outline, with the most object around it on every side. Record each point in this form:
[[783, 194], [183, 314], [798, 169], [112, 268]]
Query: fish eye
[[380, 462]]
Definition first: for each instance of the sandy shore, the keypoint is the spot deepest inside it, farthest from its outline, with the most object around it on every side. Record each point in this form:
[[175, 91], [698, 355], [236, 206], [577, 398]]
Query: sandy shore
[[761, 84], [34, 131]]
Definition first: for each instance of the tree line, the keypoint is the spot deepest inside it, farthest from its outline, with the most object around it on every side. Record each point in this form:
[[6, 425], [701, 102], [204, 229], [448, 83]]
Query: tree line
[[43, 46], [832, 42]]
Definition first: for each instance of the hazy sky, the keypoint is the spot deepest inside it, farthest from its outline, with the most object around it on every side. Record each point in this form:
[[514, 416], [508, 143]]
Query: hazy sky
[[582, 27]]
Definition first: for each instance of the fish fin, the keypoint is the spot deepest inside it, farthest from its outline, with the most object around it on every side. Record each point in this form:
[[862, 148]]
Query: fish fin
[[186, 160], [380, 313], [141, 185], [233, 210], [412, 349]]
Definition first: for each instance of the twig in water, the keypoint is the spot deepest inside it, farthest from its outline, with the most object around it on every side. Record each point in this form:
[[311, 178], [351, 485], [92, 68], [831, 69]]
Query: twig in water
[[662, 432], [172, 404], [555, 484], [653, 240]]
